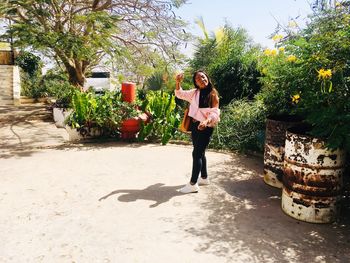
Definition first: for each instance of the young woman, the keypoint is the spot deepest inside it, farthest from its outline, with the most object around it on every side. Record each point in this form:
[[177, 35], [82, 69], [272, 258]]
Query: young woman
[[205, 113]]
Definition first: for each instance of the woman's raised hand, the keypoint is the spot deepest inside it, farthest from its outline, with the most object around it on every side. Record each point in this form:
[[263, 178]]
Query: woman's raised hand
[[179, 77]]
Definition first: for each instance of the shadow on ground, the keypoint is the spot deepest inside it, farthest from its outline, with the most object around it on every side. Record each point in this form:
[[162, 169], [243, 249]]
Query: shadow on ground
[[28, 129], [247, 217], [159, 193]]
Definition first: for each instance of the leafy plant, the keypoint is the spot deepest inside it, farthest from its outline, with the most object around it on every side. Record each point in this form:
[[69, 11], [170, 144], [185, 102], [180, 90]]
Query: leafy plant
[[318, 81], [31, 66], [164, 120], [278, 77], [29, 63], [241, 127], [105, 112]]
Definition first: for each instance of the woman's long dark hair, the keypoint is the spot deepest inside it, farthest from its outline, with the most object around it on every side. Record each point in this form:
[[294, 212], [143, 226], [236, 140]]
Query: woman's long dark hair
[[210, 86]]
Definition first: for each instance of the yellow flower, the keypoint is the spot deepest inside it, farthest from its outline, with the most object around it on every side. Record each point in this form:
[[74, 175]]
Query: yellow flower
[[291, 58], [296, 98], [267, 52], [264, 71], [277, 38], [281, 49], [324, 73], [270, 52]]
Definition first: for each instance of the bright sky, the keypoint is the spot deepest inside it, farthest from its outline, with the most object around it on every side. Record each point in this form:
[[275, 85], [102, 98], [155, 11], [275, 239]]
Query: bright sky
[[258, 17]]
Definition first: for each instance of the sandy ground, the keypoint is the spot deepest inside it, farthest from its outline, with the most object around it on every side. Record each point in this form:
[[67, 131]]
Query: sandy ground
[[118, 202]]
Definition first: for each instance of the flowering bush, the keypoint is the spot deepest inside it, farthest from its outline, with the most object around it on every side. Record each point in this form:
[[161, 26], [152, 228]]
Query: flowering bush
[[280, 88], [311, 76]]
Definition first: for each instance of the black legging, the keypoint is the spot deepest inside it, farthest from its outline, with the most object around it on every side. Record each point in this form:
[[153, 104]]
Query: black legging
[[200, 141]]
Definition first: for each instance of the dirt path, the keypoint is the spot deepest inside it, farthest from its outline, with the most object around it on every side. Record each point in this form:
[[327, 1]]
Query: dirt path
[[118, 202]]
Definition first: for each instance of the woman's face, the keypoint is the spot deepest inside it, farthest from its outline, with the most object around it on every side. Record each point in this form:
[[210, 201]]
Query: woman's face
[[201, 80]]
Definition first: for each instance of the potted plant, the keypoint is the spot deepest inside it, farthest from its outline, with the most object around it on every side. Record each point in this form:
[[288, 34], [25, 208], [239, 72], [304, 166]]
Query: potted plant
[[131, 121], [102, 115], [321, 93], [278, 80], [62, 91]]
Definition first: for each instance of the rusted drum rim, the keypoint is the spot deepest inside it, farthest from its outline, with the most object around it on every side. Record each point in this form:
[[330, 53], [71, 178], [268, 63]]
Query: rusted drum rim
[[276, 126]]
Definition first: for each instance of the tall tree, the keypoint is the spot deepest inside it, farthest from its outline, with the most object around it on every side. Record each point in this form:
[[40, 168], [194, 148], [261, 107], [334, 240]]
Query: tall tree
[[230, 58], [80, 33]]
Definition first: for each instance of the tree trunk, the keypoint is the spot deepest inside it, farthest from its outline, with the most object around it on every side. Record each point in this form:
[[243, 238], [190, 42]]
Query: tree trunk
[[76, 77], [75, 70]]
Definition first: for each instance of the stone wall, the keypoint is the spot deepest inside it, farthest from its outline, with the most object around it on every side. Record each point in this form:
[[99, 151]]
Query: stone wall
[[10, 85]]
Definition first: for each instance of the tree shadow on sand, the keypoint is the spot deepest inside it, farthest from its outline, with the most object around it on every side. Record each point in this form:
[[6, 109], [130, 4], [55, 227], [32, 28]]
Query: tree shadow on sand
[[159, 193], [246, 222]]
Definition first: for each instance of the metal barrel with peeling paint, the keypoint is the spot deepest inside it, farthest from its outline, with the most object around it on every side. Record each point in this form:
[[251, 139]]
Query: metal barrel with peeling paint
[[313, 178], [276, 127]]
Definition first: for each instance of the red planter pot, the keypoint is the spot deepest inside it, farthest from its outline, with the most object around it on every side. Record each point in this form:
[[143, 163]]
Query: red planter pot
[[129, 91], [130, 128]]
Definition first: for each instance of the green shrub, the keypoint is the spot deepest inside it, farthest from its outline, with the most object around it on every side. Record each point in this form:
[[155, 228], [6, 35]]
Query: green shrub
[[31, 66], [105, 112], [29, 63], [241, 127], [164, 119], [316, 82]]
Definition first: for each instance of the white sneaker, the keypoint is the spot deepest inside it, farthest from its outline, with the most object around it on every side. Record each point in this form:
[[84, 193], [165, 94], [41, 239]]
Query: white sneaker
[[189, 188], [202, 181]]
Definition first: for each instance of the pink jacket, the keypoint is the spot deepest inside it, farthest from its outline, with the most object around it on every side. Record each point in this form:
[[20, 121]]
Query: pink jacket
[[200, 114]]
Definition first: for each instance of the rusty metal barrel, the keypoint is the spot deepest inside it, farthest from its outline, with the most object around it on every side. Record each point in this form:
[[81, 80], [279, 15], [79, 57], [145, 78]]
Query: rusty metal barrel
[[276, 127], [313, 178]]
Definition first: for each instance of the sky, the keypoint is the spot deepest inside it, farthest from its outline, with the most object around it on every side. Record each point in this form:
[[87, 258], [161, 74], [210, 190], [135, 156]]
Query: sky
[[258, 17]]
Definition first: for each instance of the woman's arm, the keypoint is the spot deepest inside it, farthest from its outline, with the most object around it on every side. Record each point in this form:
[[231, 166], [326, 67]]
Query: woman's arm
[[179, 92], [213, 116], [214, 101]]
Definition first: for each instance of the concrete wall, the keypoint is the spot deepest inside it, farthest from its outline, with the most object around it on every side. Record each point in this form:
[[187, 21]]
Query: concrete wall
[[10, 85]]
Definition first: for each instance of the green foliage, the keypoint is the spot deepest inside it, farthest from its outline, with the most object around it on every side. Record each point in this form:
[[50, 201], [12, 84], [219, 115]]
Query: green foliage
[[31, 66], [164, 119], [161, 80], [30, 87], [325, 44], [80, 35], [230, 59], [57, 85], [155, 82], [29, 63], [241, 127], [279, 69], [105, 112], [319, 76], [84, 106], [235, 80]]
